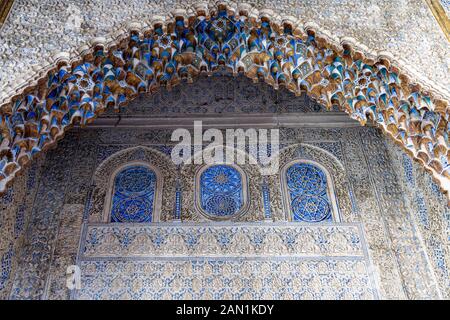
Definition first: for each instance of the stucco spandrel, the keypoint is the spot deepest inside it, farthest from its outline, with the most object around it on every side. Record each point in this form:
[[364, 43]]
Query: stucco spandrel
[[36, 30]]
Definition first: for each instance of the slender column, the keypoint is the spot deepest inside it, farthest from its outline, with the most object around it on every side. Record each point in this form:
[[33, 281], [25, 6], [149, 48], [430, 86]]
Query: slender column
[[177, 206], [266, 201]]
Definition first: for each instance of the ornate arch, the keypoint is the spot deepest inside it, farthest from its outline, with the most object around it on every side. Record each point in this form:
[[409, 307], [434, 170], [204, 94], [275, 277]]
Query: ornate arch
[[107, 170], [336, 176], [329, 188], [253, 208], [263, 46]]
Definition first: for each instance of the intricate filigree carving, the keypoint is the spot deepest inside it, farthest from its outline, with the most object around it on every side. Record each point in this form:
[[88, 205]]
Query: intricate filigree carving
[[307, 187], [221, 191], [99, 208], [252, 207], [134, 195], [222, 261], [213, 278], [247, 240]]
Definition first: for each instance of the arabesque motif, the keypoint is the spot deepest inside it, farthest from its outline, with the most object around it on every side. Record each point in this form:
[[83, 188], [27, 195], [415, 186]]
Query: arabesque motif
[[307, 186]]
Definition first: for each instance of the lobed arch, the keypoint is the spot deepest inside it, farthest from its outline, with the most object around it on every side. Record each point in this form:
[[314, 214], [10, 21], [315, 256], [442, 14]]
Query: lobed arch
[[260, 44]]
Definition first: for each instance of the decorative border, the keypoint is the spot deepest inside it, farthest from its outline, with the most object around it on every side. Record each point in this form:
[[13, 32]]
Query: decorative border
[[241, 254], [134, 233]]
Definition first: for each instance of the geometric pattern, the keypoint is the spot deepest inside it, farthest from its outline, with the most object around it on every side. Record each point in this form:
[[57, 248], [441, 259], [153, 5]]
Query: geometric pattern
[[307, 186], [225, 261], [5, 266], [362, 188], [134, 192], [280, 54], [217, 279], [221, 191]]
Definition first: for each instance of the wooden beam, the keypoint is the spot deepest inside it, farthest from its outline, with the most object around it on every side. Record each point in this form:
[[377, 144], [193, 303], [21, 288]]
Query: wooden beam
[[291, 120], [440, 15], [5, 8]]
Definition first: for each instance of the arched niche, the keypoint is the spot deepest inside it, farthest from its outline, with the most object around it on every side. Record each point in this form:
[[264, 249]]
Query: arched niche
[[327, 195], [252, 210], [152, 198], [100, 204], [336, 175]]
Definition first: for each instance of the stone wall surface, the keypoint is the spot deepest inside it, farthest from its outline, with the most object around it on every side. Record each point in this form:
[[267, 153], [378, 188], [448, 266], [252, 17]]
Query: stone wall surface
[[35, 30], [403, 217]]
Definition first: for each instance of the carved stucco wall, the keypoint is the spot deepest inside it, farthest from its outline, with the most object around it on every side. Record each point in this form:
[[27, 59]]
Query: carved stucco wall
[[35, 30], [427, 142], [42, 214], [15, 214], [402, 266], [428, 210]]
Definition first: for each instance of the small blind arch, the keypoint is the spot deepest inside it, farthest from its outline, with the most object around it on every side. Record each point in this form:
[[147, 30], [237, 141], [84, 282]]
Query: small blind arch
[[309, 195], [133, 194], [221, 191]]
